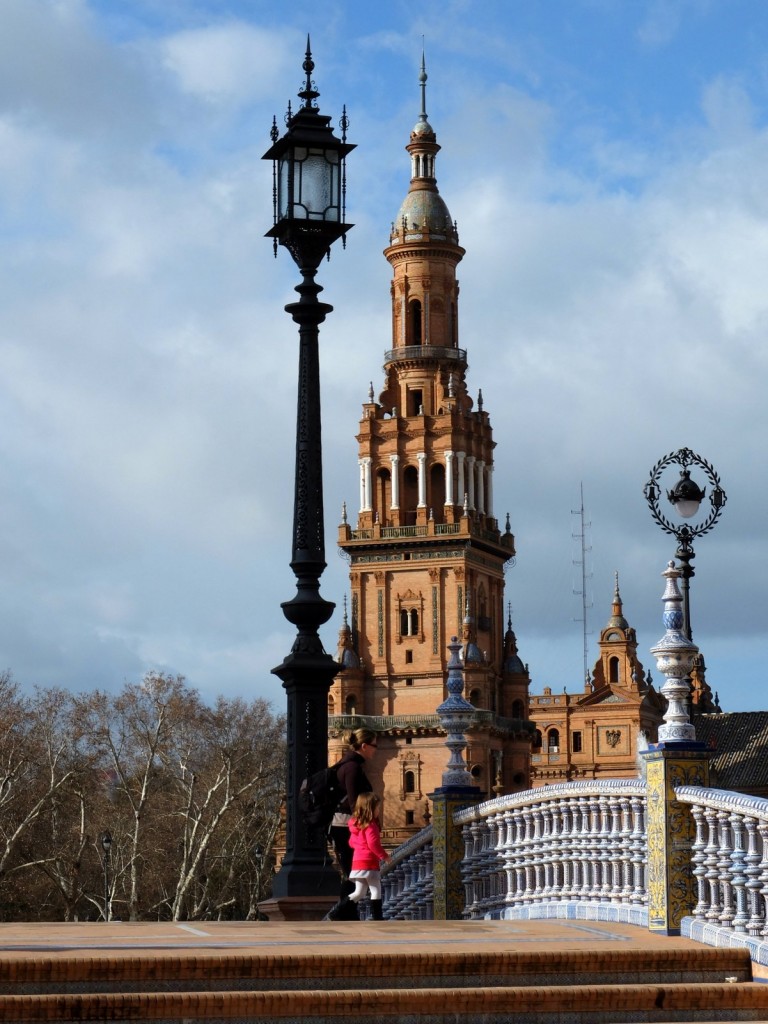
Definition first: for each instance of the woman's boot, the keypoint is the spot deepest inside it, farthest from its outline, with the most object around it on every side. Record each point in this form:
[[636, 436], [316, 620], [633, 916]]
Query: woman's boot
[[344, 910], [376, 911], [336, 913]]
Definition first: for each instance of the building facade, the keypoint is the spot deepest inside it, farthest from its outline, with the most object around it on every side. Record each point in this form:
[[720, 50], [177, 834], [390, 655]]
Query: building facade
[[426, 554], [598, 732]]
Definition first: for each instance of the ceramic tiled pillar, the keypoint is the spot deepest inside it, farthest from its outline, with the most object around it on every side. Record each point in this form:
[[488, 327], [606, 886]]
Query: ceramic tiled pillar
[[448, 850], [671, 832], [676, 760]]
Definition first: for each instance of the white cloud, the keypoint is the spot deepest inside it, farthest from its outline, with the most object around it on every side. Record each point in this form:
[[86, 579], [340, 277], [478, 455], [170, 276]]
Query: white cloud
[[661, 23], [728, 108], [147, 369], [229, 63]]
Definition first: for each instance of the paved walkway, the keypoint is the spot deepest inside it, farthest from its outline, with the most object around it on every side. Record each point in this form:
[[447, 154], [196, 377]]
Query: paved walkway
[[288, 939], [553, 970]]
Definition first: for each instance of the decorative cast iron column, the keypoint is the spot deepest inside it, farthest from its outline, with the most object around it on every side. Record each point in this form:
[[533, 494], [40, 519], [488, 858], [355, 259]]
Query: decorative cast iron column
[[309, 195]]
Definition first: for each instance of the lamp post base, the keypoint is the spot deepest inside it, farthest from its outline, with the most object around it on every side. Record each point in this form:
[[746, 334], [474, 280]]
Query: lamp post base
[[297, 908]]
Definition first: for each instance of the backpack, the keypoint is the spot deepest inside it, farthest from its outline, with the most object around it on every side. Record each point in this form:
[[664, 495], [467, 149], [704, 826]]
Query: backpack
[[319, 796]]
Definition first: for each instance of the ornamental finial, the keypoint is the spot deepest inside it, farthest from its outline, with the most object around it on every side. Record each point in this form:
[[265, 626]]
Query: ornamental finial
[[674, 655], [309, 93], [423, 84]]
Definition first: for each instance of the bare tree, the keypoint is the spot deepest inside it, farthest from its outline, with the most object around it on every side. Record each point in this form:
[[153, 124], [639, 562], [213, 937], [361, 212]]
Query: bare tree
[[39, 766], [224, 773], [190, 794], [130, 734]]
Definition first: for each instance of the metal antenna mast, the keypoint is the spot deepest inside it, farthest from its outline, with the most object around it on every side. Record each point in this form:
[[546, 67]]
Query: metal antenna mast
[[581, 537]]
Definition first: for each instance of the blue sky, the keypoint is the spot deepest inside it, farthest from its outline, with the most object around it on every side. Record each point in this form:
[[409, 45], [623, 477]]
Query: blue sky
[[605, 162]]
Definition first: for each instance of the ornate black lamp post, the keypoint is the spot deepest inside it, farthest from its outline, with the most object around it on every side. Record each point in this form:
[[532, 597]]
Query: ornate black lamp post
[[106, 845], [309, 190], [686, 498]]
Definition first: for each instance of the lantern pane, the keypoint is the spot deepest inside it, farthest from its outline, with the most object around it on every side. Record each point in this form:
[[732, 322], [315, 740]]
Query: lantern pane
[[316, 184], [283, 180]]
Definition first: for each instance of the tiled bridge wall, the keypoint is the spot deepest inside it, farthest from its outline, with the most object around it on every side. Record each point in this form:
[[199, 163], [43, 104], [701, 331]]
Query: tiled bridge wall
[[581, 849]]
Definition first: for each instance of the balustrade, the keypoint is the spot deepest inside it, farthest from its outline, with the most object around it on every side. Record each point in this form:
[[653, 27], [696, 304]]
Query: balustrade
[[586, 842], [730, 858], [566, 842], [407, 880]]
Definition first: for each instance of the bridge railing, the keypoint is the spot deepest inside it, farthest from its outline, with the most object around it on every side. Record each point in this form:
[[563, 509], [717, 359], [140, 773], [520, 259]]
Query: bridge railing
[[730, 859], [407, 880], [575, 842]]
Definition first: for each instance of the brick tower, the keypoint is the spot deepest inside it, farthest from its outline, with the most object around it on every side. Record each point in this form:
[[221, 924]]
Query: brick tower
[[426, 556]]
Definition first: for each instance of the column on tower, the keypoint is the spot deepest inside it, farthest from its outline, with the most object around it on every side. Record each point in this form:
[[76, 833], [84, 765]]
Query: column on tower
[[422, 459], [481, 487], [366, 488], [460, 457], [489, 491], [449, 500], [471, 481], [395, 460]]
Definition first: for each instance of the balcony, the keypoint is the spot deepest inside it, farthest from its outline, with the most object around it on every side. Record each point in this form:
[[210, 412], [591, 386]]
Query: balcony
[[435, 352], [484, 530]]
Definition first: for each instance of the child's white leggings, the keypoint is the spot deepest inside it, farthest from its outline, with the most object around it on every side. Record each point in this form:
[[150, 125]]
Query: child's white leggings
[[365, 880]]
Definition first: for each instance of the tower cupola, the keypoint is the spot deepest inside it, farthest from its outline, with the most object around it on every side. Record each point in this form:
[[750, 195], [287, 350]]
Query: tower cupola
[[423, 211]]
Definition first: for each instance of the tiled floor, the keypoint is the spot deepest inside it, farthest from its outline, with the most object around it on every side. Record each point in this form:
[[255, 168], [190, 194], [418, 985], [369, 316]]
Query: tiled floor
[[393, 971], [289, 939]]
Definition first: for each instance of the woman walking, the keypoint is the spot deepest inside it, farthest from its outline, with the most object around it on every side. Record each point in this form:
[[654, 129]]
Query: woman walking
[[351, 774]]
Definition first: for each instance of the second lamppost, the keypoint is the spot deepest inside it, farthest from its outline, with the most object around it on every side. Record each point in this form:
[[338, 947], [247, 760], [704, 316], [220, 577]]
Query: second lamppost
[[685, 498], [309, 194], [106, 845]]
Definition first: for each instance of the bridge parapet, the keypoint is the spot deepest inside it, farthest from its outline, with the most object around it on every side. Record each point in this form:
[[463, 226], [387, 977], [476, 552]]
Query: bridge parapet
[[574, 842], [730, 862], [408, 880]]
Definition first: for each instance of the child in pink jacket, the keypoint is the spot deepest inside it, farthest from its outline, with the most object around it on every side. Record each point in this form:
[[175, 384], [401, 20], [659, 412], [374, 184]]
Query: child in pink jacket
[[367, 851]]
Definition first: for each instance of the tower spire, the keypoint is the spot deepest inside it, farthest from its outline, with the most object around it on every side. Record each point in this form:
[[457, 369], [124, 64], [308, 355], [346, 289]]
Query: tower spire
[[423, 86]]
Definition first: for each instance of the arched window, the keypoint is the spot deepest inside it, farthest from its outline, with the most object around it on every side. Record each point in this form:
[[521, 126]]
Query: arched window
[[351, 704], [613, 670], [410, 782], [383, 501], [410, 497], [475, 697], [409, 622], [553, 741], [414, 310], [331, 705], [436, 496], [537, 740], [518, 709]]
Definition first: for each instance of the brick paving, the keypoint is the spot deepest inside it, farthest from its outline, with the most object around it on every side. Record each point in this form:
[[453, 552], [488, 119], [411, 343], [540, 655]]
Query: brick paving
[[289, 939], [393, 970]]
